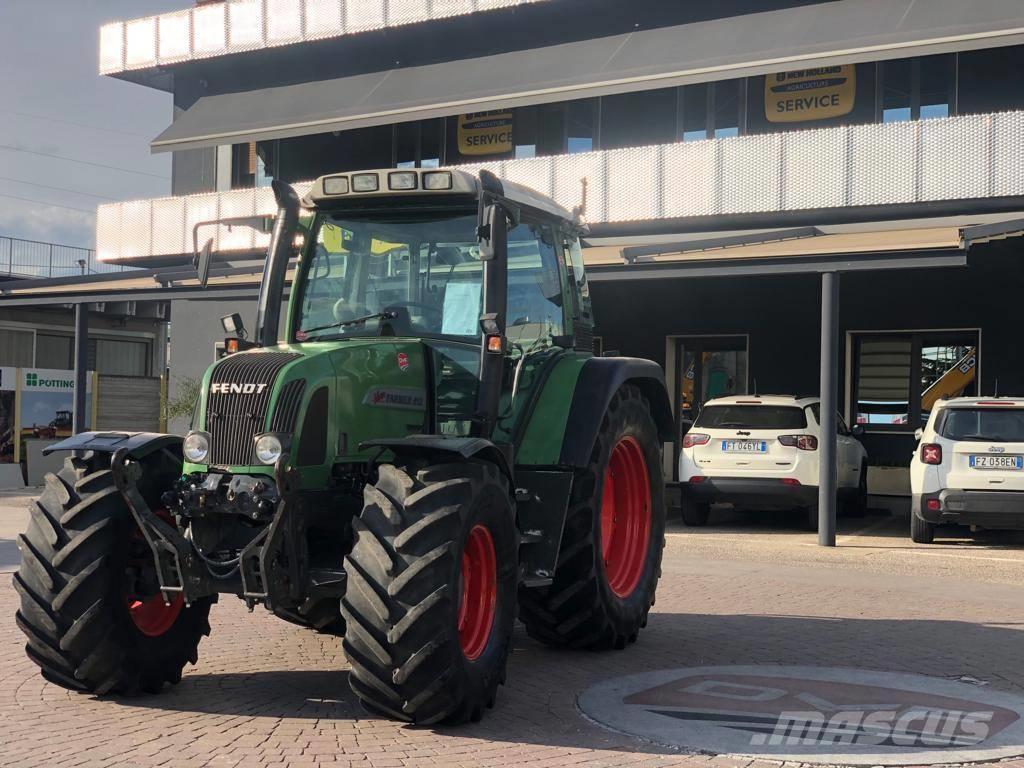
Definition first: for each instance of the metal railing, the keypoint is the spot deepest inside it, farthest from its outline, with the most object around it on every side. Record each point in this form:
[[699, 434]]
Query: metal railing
[[34, 259], [956, 158]]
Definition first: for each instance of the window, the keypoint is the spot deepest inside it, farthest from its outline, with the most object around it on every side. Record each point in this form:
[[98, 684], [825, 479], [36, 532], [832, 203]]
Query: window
[[580, 125], [16, 348], [727, 108], [898, 378], [751, 417], [841, 427], [693, 106], [55, 351], [423, 277], [638, 119], [998, 424], [917, 89]]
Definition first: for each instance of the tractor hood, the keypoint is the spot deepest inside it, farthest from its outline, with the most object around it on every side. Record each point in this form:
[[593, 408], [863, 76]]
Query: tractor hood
[[322, 398]]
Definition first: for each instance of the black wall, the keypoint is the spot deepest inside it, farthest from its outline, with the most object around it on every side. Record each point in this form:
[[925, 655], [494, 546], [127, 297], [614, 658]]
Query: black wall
[[781, 315]]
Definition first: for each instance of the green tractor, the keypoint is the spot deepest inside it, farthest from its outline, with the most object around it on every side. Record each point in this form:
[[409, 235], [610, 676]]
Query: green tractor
[[430, 452]]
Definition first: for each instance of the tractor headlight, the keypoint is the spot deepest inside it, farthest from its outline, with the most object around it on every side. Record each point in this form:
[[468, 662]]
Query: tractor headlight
[[268, 448], [196, 447]]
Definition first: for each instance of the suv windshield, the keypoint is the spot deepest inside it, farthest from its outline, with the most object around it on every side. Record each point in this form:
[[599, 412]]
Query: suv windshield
[[411, 275], [1000, 425], [751, 417]]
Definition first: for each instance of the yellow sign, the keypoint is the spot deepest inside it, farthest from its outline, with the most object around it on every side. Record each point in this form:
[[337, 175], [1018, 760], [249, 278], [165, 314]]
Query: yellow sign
[[485, 133], [810, 94]]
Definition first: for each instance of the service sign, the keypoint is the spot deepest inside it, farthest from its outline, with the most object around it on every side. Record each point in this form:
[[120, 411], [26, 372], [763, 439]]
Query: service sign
[[485, 133], [810, 94]]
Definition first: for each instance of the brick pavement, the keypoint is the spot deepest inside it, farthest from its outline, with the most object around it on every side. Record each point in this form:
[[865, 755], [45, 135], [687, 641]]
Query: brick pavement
[[268, 693]]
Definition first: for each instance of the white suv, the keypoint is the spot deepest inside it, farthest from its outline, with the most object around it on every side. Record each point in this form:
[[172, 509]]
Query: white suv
[[968, 468], [761, 452]]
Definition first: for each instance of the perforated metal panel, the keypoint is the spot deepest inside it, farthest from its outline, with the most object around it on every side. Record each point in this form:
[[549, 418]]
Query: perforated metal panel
[[955, 158], [245, 25]]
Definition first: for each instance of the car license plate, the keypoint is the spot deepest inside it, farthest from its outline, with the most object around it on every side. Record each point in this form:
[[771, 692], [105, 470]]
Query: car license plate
[[744, 446], [989, 461]]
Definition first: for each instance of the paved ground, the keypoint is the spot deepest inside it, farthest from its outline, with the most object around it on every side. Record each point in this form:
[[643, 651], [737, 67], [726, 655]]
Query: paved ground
[[746, 590]]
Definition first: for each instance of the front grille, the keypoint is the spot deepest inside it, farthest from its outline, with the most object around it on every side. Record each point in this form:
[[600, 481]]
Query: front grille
[[233, 419]]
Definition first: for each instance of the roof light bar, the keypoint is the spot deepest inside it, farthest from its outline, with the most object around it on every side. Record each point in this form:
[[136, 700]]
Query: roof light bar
[[402, 180], [365, 182], [336, 185], [436, 180]]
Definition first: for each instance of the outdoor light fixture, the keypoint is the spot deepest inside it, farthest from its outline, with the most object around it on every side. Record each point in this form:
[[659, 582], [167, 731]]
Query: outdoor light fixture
[[232, 324], [336, 185], [402, 180], [365, 182], [196, 447], [437, 180]]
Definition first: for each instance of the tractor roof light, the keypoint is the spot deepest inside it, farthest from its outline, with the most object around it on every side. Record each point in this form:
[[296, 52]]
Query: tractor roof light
[[402, 180], [437, 180], [336, 185], [365, 182]]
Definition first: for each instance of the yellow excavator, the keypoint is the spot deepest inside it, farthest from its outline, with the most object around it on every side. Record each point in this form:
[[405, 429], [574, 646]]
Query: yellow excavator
[[953, 382]]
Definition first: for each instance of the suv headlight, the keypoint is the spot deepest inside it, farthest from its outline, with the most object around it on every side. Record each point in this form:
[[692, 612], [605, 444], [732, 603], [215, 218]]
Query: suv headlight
[[196, 447], [268, 448]]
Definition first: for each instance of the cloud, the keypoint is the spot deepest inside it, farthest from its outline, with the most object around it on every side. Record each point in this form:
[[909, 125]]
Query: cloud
[[47, 223]]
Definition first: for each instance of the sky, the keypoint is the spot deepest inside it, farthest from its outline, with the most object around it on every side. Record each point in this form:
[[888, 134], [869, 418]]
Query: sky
[[52, 101]]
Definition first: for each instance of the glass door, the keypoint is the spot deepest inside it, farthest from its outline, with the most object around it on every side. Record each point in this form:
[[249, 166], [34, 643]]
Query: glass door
[[708, 367]]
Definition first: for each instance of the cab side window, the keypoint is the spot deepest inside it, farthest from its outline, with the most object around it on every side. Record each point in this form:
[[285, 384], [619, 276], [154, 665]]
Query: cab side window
[[535, 298]]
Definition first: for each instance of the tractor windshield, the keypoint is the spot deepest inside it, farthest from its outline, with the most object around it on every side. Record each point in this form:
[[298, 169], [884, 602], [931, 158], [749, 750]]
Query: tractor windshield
[[419, 275]]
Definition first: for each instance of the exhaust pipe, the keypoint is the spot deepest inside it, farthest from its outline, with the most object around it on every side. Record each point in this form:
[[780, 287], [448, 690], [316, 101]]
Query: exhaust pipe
[[282, 243]]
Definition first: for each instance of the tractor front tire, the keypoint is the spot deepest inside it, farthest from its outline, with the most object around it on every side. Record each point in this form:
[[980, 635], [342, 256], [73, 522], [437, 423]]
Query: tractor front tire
[[430, 598], [610, 558], [89, 608]]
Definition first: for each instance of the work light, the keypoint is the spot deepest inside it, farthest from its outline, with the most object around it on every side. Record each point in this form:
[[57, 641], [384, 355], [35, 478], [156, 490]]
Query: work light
[[365, 182], [336, 185], [402, 180], [437, 180]]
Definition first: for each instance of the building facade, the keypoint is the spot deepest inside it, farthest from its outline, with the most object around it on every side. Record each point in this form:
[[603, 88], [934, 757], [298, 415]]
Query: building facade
[[732, 154]]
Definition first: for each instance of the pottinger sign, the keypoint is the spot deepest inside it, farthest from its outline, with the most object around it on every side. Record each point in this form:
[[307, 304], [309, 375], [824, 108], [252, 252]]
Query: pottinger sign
[[485, 133], [810, 94]]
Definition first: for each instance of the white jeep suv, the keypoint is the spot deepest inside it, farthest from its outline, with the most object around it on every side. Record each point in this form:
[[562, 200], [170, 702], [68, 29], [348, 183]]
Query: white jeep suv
[[761, 452], [968, 468]]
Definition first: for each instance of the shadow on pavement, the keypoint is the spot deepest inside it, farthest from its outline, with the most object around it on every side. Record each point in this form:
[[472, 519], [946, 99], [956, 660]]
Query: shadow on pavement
[[538, 704]]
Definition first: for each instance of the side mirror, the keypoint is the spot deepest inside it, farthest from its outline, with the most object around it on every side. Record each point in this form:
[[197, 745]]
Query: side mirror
[[857, 430], [918, 434], [489, 226], [202, 263]]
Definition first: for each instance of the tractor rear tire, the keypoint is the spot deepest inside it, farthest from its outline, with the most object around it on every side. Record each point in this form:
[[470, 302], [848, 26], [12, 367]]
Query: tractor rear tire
[[430, 596], [605, 577], [88, 627]]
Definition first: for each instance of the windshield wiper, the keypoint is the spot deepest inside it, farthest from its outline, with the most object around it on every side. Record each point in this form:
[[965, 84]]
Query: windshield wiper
[[386, 315]]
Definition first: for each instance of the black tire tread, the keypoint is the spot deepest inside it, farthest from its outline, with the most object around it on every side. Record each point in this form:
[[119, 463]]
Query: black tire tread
[[396, 605], [570, 612], [64, 583]]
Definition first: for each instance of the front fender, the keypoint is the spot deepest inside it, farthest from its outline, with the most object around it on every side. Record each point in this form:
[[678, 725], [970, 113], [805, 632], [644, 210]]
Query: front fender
[[134, 444]]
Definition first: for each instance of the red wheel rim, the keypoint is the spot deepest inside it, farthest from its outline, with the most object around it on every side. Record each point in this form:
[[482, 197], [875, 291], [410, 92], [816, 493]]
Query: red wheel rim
[[478, 592], [625, 517], [151, 616]]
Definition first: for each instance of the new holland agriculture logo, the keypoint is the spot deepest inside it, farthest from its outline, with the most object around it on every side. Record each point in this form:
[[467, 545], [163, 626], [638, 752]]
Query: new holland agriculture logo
[[37, 382], [820, 715]]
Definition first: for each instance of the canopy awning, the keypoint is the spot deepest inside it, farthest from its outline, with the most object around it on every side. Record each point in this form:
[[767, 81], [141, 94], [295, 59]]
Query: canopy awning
[[760, 43]]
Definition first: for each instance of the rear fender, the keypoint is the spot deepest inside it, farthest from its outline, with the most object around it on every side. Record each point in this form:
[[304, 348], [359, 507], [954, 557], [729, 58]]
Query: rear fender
[[598, 382]]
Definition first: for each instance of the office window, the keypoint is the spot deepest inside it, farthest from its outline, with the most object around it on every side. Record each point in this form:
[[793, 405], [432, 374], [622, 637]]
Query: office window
[[431, 143], [55, 351], [16, 347], [937, 85], [638, 119], [896, 90], [693, 108], [727, 108], [899, 377], [407, 136], [580, 123], [917, 89], [119, 357], [524, 132]]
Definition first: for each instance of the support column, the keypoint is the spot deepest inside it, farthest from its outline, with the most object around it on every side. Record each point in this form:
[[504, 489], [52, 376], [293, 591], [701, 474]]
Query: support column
[[80, 412], [827, 480]]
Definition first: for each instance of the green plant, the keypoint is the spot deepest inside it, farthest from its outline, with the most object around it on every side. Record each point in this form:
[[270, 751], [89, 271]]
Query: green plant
[[186, 394]]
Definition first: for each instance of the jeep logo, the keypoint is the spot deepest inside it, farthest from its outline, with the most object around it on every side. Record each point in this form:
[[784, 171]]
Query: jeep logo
[[223, 388]]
